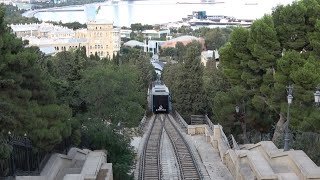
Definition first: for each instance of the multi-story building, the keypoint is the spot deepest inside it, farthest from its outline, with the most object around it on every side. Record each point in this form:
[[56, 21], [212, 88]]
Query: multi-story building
[[102, 38], [99, 38], [42, 30], [155, 34]]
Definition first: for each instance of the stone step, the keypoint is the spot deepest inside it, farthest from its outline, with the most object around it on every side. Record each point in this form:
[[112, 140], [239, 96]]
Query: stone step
[[260, 165]]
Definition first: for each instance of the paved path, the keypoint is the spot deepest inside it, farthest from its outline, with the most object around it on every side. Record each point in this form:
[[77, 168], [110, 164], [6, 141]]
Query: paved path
[[211, 159]]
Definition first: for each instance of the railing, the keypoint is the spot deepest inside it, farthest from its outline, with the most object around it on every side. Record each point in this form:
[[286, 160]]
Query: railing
[[209, 122], [224, 137], [26, 159], [181, 120], [142, 123], [233, 143]]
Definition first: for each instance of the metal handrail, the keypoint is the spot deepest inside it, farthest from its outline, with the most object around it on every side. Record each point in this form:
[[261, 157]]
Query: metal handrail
[[209, 122], [234, 143], [142, 122], [181, 119], [224, 137]]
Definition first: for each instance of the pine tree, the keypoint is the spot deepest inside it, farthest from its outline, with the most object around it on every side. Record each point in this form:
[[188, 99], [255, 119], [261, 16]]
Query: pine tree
[[28, 102]]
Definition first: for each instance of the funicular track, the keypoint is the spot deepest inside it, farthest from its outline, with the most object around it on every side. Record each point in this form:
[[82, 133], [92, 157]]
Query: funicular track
[[150, 167], [186, 162]]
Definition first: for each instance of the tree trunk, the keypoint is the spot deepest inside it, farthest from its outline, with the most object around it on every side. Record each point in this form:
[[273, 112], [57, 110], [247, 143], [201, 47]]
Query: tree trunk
[[279, 131]]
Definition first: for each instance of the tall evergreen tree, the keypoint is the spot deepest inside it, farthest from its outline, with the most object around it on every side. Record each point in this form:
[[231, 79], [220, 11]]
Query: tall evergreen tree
[[28, 102], [189, 95]]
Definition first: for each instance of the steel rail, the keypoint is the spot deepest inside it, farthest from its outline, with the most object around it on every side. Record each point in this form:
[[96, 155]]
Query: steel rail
[[150, 164], [188, 166]]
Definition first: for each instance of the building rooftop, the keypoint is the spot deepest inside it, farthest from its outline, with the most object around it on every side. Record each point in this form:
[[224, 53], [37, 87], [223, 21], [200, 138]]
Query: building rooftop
[[184, 38], [133, 43], [48, 50], [100, 21], [42, 27], [151, 31], [207, 54]]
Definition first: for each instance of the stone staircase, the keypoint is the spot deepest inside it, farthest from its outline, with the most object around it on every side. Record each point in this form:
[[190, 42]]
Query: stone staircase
[[264, 161], [76, 165], [261, 161]]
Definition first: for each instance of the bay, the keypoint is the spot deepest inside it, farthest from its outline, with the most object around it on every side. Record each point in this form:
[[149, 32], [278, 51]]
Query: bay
[[124, 13]]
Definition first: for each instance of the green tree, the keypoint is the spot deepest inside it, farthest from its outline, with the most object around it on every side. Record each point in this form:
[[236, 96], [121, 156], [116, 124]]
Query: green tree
[[188, 90], [28, 101], [112, 93], [100, 135]]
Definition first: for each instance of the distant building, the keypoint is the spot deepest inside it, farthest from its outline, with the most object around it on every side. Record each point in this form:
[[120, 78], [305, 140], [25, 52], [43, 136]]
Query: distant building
[[155, 34], [99, 38], [153, 46], [125, 33], [206, 56], [183, 39], [41, 30], [210, 55]]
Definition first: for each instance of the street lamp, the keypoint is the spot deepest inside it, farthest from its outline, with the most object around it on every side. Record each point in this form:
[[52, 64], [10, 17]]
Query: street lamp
[[237, 109], [240, 118], [286, 137], [317, 96]]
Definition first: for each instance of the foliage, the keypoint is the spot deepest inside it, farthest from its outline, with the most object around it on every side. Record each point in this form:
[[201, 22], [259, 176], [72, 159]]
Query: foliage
[[102, 89], [14, 16], [72, 25], [100, 135], [214, 37], [258, 63], [28, 102], [112, 93], [139, 27], [185, 82]]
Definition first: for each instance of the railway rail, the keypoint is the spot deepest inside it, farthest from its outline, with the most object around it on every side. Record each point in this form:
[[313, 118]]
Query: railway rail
[[150, 164], [150, 160], [186, 162]]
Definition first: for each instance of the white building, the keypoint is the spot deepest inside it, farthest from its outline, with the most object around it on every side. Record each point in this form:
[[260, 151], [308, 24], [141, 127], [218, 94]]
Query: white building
[[42, 30], [210, 55], [125, 33], [152, 46], [99, 38], [155, 34]]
